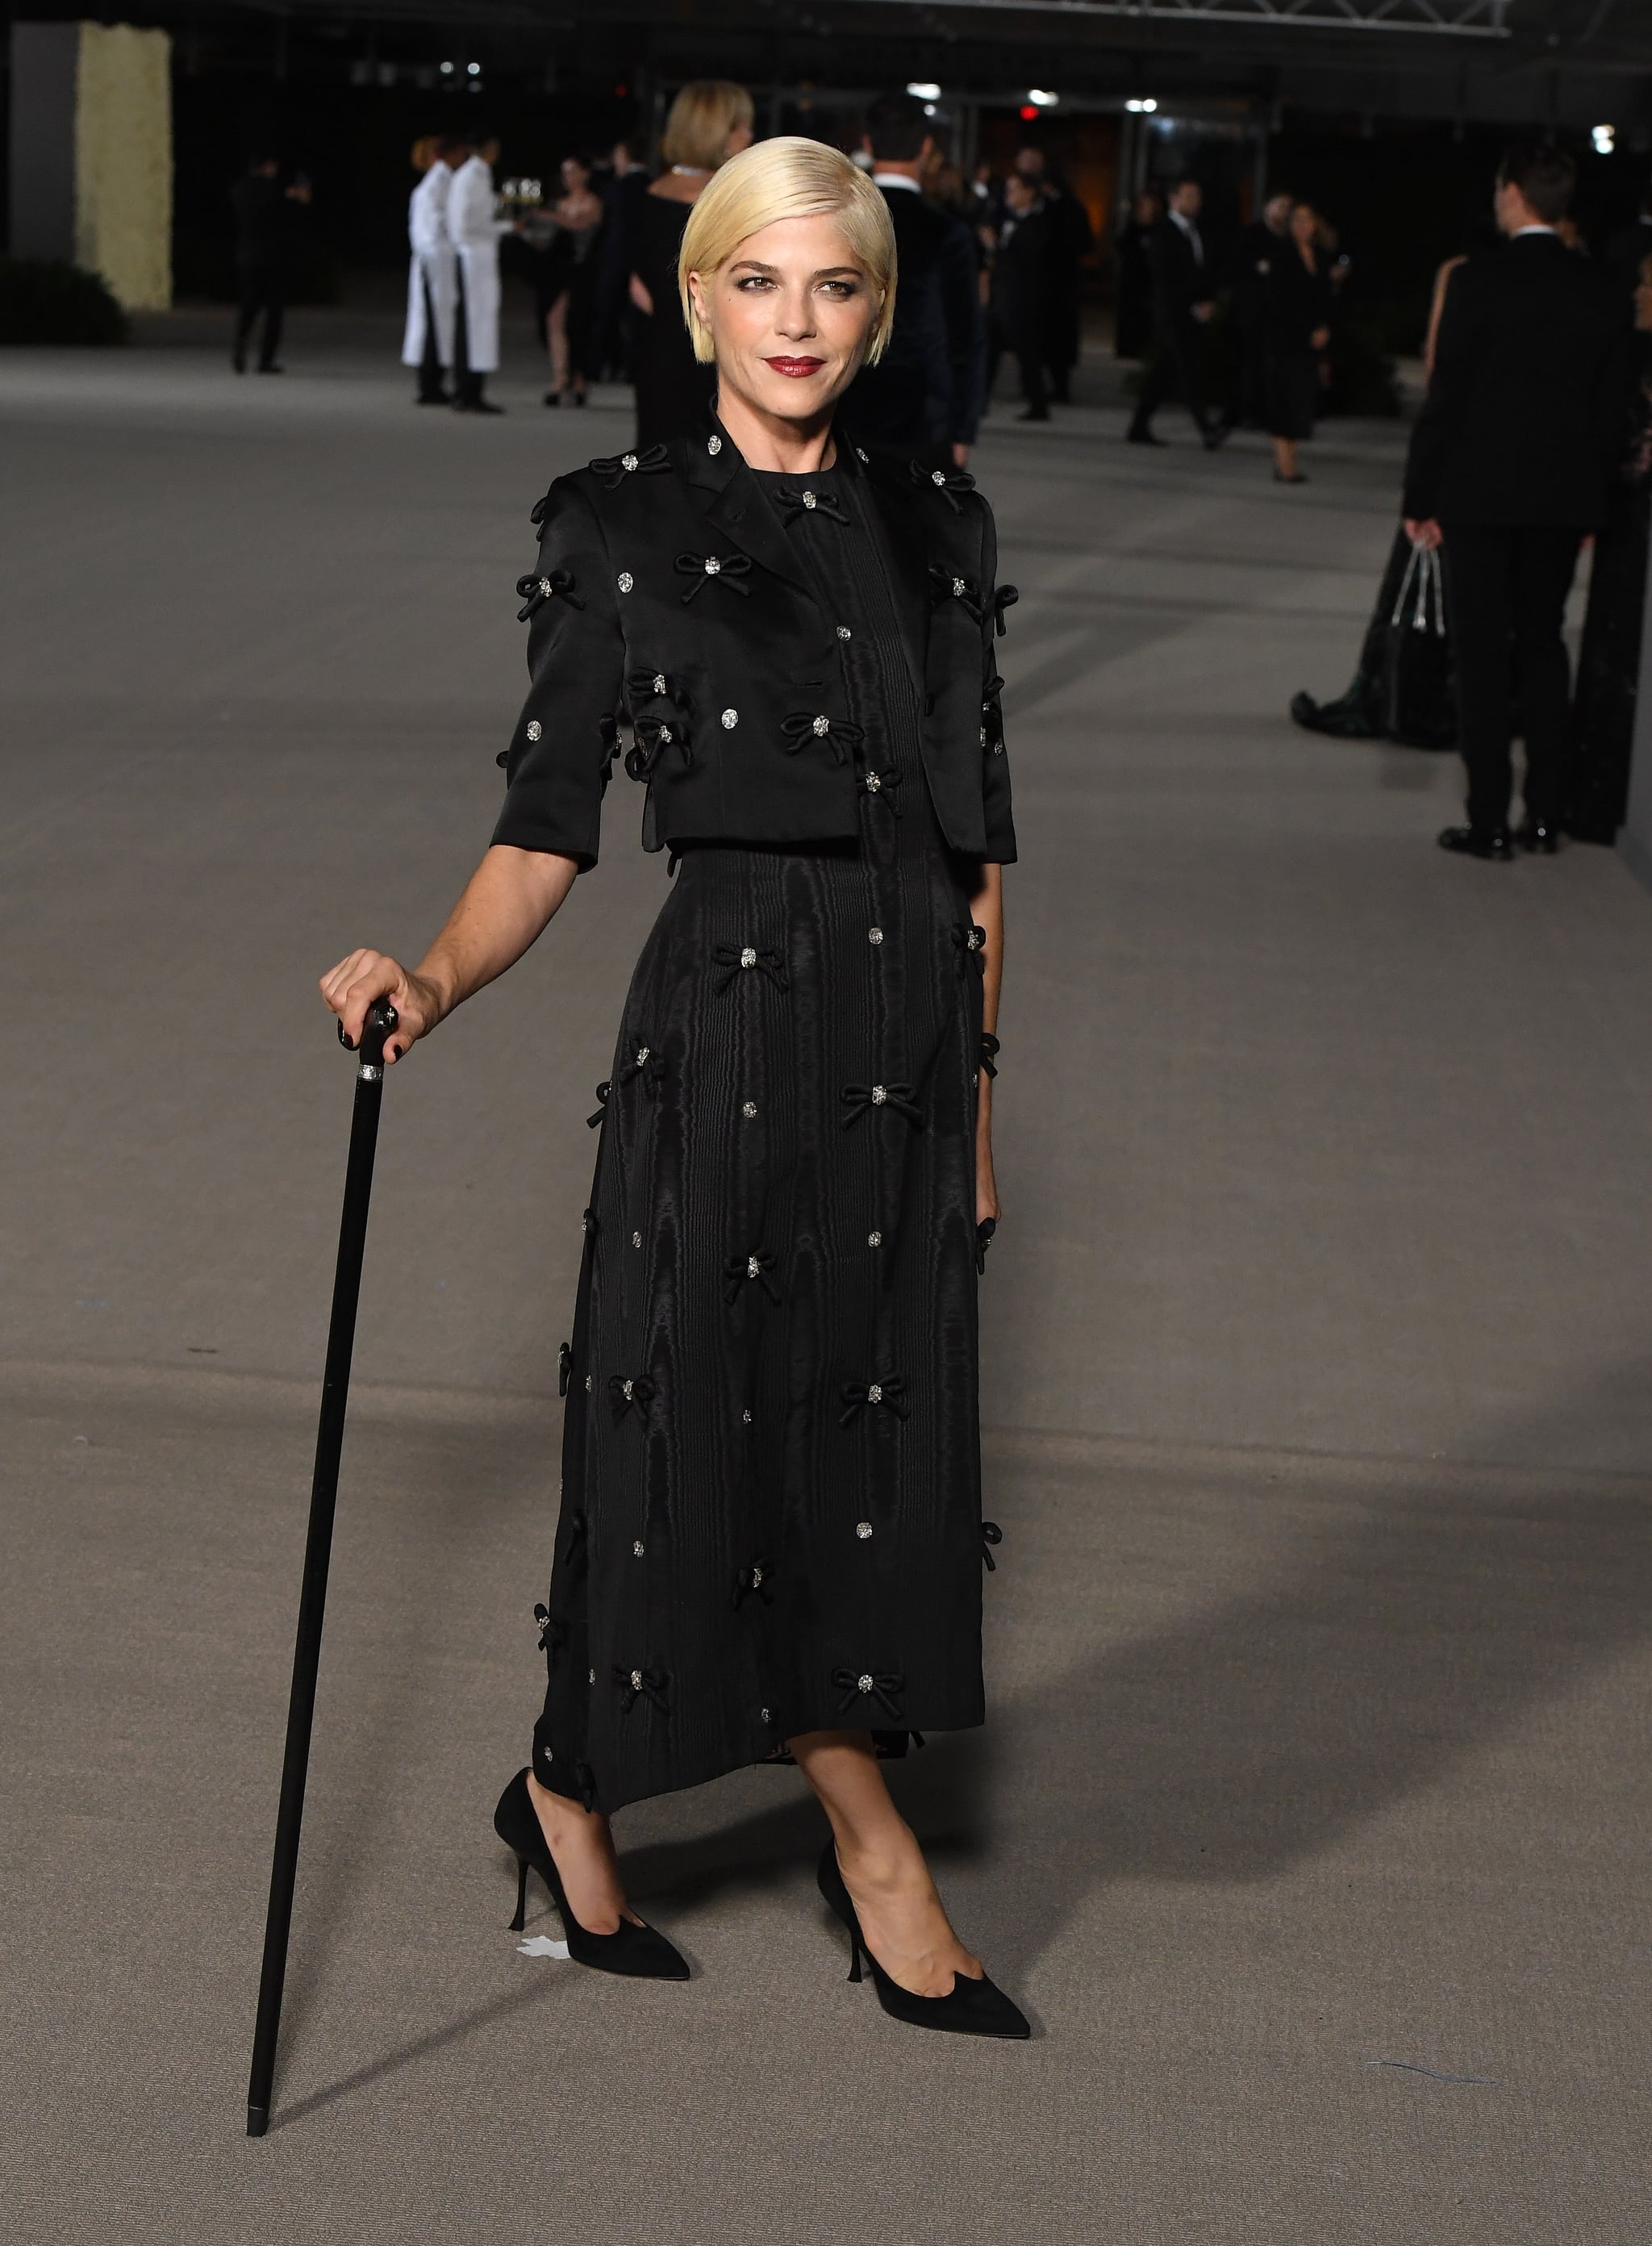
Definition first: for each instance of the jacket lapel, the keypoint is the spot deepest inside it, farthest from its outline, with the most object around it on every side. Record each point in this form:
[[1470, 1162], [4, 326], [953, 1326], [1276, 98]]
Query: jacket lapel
[[728, 495]]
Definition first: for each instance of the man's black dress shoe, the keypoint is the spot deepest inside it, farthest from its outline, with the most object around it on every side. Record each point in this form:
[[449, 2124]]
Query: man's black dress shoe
[[1352, 717], [1478, 842], [1143, 437], [1536, 836]]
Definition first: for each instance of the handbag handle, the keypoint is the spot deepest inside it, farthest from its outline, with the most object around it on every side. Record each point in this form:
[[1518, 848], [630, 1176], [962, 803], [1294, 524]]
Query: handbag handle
[[1411, 568]]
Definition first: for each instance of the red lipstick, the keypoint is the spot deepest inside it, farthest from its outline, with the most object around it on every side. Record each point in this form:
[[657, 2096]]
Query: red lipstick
[[795, 367]]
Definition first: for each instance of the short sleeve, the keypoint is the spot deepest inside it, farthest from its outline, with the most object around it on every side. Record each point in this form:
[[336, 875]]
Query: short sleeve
[[558, 763], [995, 763]]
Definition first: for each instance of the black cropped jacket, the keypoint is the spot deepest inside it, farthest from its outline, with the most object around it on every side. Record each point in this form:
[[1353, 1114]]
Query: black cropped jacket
[[667, 606]]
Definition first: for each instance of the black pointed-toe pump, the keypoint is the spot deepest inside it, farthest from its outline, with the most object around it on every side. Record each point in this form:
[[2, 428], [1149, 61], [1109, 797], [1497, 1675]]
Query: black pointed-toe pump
[[638, 1952], [968, 2008]]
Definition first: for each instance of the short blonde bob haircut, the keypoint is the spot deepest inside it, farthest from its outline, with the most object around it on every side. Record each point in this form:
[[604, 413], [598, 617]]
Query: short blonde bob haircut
[[702, 118], [787, 178]]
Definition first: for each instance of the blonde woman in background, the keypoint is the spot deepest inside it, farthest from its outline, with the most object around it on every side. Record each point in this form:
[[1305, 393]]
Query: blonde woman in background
[[709, 121]]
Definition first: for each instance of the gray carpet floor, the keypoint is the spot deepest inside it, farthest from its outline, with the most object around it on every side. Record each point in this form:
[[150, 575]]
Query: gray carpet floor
[[1311, 1822]]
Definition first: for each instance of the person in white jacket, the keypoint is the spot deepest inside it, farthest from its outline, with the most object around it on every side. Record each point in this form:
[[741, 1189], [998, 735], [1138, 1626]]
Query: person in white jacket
[[474, 232], [432, 272]]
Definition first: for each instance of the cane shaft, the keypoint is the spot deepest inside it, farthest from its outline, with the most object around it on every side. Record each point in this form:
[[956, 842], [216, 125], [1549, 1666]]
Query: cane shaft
[[318, 1543]]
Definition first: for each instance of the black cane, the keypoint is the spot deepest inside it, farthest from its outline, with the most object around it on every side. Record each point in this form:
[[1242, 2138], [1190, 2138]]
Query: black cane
[[318, 1547]]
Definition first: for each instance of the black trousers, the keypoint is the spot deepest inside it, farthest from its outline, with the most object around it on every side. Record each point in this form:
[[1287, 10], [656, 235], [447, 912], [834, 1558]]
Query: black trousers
[[1177, 365], [1505, 593], [430, 367], [1024, 340], [263, 289]]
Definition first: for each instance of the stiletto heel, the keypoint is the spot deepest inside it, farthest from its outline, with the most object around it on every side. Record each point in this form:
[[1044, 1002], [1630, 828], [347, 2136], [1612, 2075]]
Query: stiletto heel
[[968, 2008], [635, 1951]]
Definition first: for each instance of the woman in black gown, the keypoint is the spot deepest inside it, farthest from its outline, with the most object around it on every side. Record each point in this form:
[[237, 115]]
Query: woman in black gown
[[771, 1539], [709, 121], [1296, 321]]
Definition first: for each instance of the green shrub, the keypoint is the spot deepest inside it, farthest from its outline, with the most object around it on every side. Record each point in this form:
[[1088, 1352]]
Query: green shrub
[[45, 301]]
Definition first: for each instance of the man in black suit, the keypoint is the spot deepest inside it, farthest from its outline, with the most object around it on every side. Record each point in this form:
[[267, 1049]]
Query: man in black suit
[[1184, 296], [1508, 469], [1071, 240], [925, 394], [1022, 282], [263, 242]]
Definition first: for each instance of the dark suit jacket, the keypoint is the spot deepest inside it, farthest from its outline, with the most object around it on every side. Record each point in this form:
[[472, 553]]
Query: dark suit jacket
[[1292, 302], [263, 221], [1180, 281], [732, 679], [929, 387], [1524, 418], [1025, 276]]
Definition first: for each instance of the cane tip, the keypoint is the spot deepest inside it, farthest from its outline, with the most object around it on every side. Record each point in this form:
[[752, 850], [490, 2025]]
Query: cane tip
[[257, 2121]]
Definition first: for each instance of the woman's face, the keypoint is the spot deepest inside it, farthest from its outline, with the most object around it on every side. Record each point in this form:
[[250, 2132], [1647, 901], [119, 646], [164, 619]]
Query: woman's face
[[791, 313], [576, 178], [1305, 225]]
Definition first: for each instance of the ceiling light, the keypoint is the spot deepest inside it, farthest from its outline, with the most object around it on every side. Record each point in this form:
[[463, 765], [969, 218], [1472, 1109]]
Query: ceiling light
[[1605, 138], [1040, 100], [923, 89], [447, 70], [1142, 107], [475, 69]]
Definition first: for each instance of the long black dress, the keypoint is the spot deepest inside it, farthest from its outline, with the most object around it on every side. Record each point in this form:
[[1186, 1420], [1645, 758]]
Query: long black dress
[[770, 1517], [674, 390], [1608, 671]]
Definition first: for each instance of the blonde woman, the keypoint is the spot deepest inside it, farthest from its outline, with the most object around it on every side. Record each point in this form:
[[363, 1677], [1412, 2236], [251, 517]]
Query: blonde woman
[[709, 121], [771, 1539]]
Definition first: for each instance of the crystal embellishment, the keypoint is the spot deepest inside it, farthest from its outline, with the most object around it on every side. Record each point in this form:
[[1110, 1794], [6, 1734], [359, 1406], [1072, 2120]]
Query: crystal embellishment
[[659, 682], [753, 1268], [637, 1680], [625, 581], [636, 1240], [628, 461], [545, 587], [746, 1418], [714, 445], [731, 718], [937, 476], [874, 935], [749, 1110], [875, 1394], [874, 1240], [880, 1094], [590, 1675], [957, 588], [873, 782], [757, 1577], [764, 1714], [636, 1548], [864, 1681], [713, 567], [844, 632], [809, 500], [535, 729], [626, 1386], [642, 1055], [748, 954], [863, 1529]]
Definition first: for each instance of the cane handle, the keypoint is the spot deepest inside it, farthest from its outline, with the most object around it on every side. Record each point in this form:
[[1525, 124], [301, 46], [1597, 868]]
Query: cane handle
[[382, 1018]]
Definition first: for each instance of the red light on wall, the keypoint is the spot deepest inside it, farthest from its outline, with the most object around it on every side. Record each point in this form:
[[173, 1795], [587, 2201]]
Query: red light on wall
[[1028, 114], [621, 90]]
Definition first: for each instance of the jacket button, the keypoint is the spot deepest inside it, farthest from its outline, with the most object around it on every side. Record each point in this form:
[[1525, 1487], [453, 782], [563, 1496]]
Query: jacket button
[[844, 632], [731, 718], [535, 729], [749, 1110], [625, 581], [874, 935]]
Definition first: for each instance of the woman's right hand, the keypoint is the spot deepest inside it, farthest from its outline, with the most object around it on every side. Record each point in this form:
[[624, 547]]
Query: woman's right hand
[[350, 988]]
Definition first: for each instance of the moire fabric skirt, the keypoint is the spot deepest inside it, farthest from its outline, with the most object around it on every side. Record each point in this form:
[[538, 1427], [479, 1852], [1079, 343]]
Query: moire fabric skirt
[[771, 1512]]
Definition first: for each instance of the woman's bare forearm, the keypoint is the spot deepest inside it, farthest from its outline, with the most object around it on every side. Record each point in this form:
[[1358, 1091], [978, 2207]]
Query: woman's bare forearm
[[505, 906]]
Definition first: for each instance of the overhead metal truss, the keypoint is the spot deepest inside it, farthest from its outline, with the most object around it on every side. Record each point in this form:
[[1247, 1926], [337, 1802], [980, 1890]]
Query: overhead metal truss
[[1482, 19]]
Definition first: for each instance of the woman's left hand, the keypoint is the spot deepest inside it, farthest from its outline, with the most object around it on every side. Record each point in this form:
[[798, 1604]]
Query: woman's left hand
[[986, 1185]]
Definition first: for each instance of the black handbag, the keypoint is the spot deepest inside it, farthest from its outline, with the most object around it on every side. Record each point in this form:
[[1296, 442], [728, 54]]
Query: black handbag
[[1418, 703]]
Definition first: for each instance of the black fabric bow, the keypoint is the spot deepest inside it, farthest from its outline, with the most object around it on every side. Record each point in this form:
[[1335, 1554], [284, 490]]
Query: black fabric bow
[[647, 683], [984, 1231], [740, 1268], [990, 1050], [585, 1777], [575, 1544], [890, 1392], [534, 590], [754, 1582], [564, 1366], [647, 1064], [626, 1389], [602, 1091], [642, 1685], [863, 1098], [946, 481], [591, 1222], [880, 786], [990, 1535], [799, 498], [972, 945], [728, 568], [805, 726], [867, 1684], [656, 461], [653, 736], [1005, 597], [732, 959], [552, 1633], [946, 584]]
